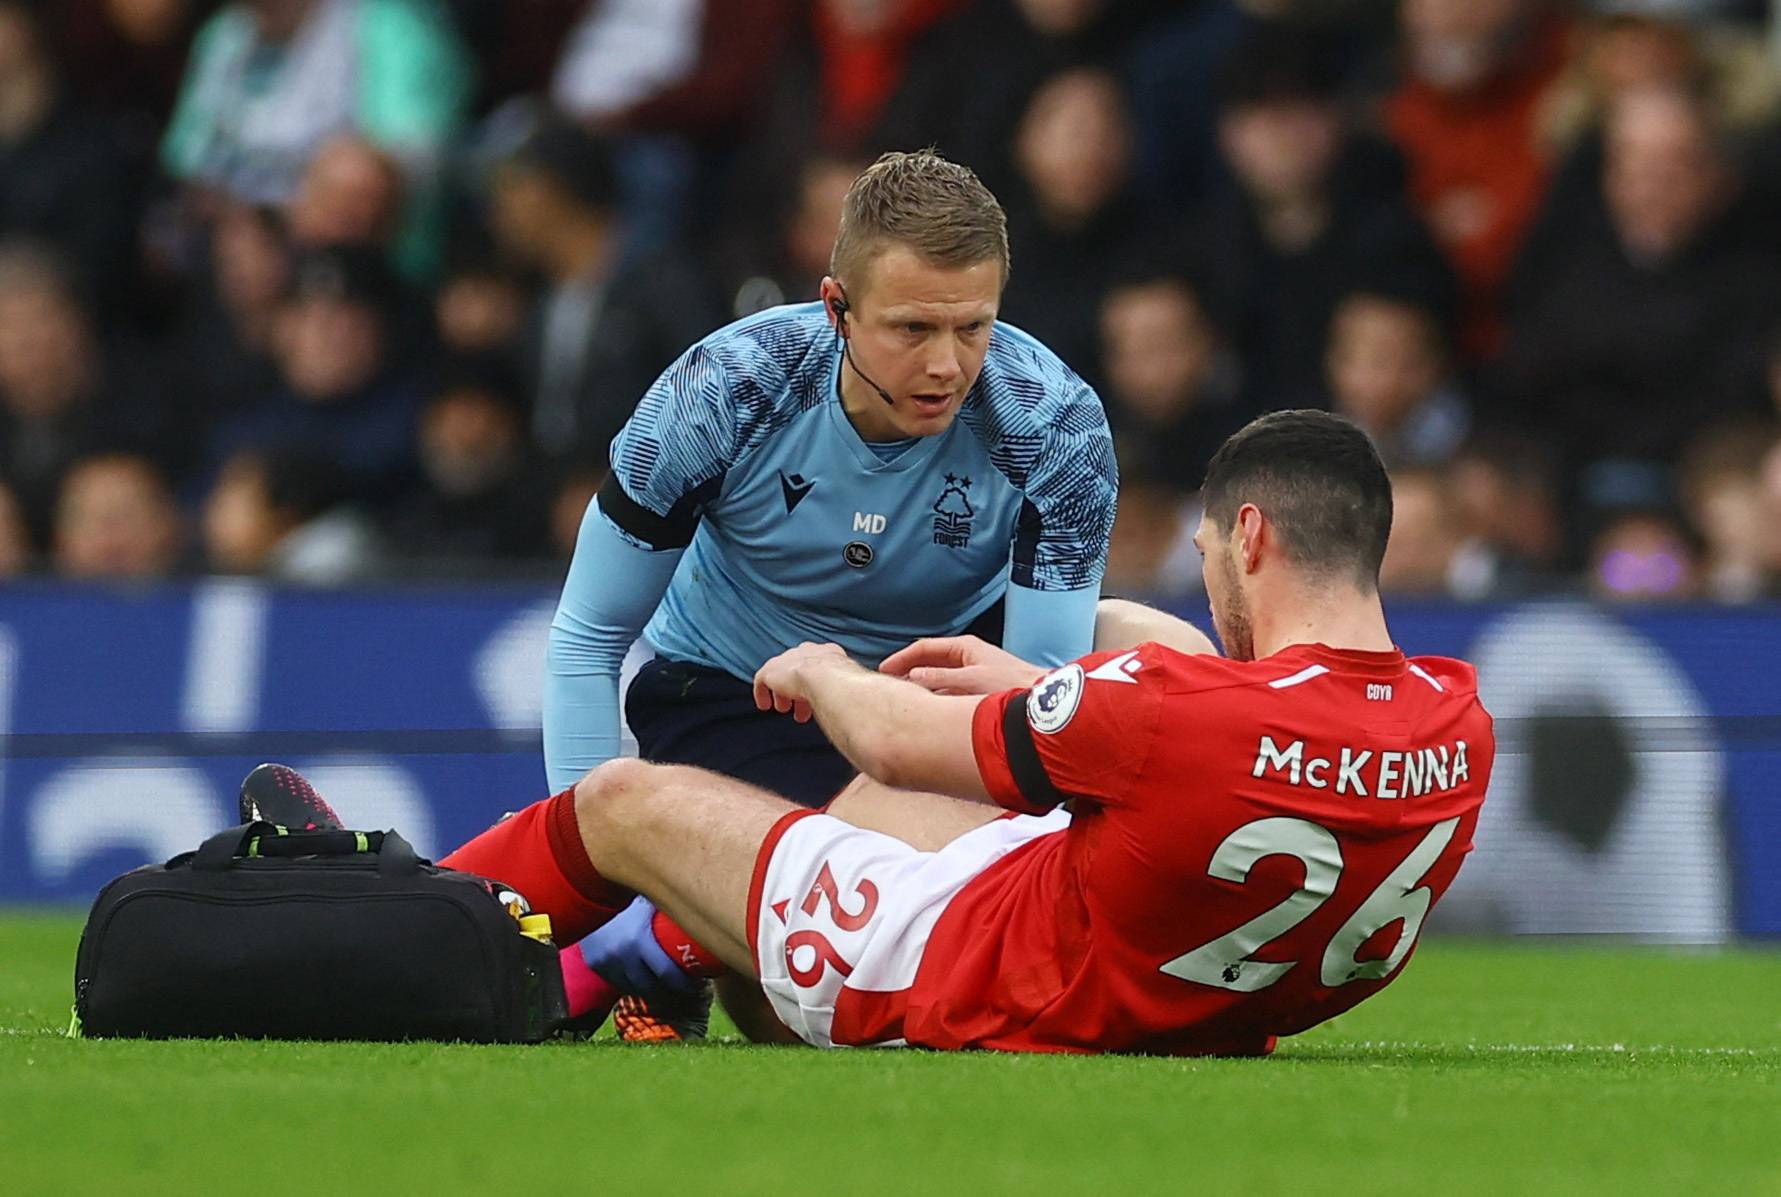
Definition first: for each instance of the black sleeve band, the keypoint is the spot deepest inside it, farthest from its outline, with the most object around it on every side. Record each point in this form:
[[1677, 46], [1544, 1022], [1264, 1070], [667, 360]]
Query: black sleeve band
[[1023, 757], [1027, 528], [672, 531]]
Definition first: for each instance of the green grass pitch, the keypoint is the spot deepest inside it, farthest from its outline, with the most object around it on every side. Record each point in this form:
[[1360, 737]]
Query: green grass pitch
[[1484, 1069]]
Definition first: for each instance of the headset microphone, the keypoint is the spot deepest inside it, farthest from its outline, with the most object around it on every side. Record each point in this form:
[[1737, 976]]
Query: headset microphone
[[839, 307]]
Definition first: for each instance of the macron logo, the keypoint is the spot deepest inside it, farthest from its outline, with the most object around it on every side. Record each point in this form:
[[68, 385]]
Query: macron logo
[[795, 489]]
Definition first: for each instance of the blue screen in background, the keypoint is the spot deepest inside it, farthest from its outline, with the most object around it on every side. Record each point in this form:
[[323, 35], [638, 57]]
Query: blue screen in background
[[1635, 790]]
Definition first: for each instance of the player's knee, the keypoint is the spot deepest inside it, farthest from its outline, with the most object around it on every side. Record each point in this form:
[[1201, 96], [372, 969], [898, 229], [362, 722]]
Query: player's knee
[[609, 792]]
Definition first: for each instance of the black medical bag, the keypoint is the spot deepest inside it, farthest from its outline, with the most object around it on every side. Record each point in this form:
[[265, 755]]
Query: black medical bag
[[272, 934]]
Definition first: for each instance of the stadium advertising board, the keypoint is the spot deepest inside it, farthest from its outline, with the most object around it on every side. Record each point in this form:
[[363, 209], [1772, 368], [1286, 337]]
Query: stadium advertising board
[[1634, 792]]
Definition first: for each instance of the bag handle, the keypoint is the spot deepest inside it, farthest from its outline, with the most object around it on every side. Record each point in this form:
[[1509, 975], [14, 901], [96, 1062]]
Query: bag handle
[[395, 856]]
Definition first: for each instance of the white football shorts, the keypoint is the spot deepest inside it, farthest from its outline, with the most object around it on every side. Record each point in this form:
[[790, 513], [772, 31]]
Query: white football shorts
[[839, 918]]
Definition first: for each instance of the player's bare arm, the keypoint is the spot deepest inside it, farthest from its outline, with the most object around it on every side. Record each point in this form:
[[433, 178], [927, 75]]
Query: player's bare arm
[[971, 665], [890, 729], [1121, 624]]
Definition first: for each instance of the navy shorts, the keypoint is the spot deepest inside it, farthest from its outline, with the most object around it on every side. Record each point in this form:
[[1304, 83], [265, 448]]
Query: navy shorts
[[686, 714]]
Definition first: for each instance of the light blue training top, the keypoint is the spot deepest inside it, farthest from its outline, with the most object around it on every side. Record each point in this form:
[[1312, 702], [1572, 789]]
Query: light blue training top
[[745, 515]]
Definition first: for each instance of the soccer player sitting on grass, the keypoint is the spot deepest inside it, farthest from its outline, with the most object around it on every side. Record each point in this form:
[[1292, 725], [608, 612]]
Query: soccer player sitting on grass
[[1250, 848]]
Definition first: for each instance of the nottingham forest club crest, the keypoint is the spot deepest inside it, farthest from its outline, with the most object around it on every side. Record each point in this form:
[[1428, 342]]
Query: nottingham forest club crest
[[953, 513]]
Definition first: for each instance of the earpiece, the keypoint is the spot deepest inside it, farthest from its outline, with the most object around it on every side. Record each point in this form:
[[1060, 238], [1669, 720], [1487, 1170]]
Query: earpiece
[[838, 305]]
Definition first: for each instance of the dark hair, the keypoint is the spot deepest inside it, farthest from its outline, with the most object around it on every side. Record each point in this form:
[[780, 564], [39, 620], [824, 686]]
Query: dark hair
[[579, 162], [1134, 275], [487, 373], [345, 274], [1404, 267], [1319, 481], [1273, 64]]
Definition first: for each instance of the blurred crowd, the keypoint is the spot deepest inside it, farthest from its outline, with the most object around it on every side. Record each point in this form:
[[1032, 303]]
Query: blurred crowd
[[329, 290]]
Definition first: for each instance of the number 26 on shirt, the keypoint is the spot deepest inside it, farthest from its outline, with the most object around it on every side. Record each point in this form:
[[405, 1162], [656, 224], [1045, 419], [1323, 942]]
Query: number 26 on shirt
[[1225, 962]]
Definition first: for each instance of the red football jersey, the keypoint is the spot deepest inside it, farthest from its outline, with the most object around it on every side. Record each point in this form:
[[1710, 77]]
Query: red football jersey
[[1253, 848]]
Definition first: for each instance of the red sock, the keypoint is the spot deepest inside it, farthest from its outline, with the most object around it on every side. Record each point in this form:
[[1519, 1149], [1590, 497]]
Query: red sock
[[539, 853], [586, 989], [693, 958]]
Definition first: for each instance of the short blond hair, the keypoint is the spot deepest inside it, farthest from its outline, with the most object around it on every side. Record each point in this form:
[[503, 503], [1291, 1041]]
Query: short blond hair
[[939, 209]]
